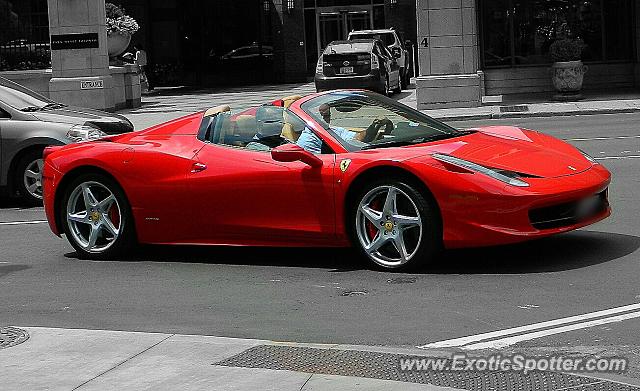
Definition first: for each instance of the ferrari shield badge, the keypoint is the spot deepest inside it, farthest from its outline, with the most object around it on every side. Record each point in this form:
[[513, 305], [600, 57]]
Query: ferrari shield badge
[[344, 165]]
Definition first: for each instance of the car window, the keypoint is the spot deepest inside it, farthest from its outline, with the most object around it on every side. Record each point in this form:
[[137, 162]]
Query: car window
[[4, 114], [364, 120], [348, 48], [21, 98], [384, 51], [387, 38]]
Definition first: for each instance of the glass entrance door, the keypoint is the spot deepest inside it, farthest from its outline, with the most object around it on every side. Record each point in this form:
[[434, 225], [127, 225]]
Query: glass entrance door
[[335, 23]]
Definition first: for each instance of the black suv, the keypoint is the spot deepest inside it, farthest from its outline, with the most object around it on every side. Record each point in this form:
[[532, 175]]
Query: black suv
[[358, 63]]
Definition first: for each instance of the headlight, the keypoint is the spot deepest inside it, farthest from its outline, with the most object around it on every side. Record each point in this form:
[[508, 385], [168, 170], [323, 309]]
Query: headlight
[[587, 156], [79, 133], [502, 176]]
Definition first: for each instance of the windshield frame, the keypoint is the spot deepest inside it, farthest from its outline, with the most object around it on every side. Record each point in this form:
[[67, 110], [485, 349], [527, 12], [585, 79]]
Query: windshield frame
[[36, 100], [309, 107]]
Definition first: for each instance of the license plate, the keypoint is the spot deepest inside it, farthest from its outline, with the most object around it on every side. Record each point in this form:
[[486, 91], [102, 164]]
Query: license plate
[[346, 70]]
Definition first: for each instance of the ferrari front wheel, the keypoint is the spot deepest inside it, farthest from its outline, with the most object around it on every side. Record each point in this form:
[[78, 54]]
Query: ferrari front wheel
[[395, 226], [97, 218]]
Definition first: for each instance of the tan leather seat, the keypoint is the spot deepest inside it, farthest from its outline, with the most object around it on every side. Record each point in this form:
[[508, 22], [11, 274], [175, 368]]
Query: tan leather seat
[[216, 110], [287, 128]]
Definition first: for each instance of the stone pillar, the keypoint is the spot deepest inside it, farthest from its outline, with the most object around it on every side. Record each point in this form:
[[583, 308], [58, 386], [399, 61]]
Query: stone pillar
[[290, 61], [448, 54], [80, 76]]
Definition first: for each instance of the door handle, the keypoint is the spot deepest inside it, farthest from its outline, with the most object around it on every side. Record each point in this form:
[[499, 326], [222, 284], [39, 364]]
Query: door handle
[[198, 167]]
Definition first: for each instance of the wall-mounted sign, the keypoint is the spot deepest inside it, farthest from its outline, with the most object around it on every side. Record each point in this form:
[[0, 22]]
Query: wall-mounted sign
[[74, 41], [91, 84]]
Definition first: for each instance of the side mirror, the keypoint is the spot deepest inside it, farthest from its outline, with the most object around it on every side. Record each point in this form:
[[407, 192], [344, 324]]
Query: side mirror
[[397, 52], [292, 153]]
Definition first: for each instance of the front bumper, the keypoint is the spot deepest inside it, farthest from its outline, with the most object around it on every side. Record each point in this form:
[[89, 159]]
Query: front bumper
[[50, 178], [475, 217], [372, 81]]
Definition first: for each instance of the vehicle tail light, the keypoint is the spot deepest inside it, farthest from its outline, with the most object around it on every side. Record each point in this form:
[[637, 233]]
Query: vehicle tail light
[[319, 66], [375, 63]]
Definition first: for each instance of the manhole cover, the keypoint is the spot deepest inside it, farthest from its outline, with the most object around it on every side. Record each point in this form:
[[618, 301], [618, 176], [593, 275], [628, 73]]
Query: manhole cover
[[402, 280], [12, 336], [377, 365], [354, 293], [514, 109]]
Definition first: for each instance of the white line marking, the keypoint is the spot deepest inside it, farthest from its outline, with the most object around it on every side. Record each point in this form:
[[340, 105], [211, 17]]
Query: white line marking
[[601, 138], [617, 157], [504, 342], [536, 326], [24, 222]]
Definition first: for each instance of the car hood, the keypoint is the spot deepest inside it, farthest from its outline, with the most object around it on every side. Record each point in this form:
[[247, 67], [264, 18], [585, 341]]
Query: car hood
[[107, 122], [519, 150]]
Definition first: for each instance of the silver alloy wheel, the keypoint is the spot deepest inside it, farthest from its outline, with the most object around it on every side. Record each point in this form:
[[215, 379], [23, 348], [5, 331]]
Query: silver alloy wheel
[[94, 217], [389, 226], [32, 178]]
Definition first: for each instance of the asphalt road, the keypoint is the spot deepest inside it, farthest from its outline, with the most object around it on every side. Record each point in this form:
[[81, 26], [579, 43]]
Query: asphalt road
[[327, 296]]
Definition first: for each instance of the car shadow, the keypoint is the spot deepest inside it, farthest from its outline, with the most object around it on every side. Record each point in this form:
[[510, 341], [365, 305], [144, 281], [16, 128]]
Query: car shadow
[[574, 250], [569, 251], [13, 203], [335, 259]]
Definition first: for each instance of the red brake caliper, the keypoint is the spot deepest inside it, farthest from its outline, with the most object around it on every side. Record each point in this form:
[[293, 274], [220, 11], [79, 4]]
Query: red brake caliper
[[114, 216], [372, 230]]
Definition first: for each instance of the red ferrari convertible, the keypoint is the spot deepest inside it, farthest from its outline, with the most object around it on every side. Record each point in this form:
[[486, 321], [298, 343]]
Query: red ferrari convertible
[[339, 168]]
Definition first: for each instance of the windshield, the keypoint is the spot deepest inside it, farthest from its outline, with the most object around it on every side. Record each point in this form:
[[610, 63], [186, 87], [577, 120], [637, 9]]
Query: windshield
[[341, 48], [21, 98], [364, 120], [387, 38]]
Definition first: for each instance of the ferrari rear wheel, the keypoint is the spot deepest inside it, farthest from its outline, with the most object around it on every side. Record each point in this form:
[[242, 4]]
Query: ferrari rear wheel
[[395, 226], [97, 218]]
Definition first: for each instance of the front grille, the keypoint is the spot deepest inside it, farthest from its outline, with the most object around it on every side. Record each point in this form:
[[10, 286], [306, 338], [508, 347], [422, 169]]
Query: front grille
[[570, 213]]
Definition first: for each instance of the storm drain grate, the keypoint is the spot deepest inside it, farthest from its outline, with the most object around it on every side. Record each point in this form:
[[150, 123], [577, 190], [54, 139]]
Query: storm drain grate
[[514, 109], [12, 336], [386, 366]]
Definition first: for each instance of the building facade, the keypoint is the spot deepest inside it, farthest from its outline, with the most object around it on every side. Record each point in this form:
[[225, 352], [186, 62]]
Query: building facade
[[211, 42], [465, 49], [472, 48]]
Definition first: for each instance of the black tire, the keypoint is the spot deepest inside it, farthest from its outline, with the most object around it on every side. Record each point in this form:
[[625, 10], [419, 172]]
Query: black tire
[[430, 242], [398, 89], [405, 79], [127, 235], [386, 91], [25, 162]]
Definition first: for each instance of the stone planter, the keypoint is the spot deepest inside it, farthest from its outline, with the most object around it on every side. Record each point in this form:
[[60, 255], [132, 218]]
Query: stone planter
[[567, 79], [117, 43]]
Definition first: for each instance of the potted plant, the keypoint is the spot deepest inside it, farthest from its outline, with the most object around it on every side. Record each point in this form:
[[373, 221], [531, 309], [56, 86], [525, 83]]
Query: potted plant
[[120, 27], [567, 70]]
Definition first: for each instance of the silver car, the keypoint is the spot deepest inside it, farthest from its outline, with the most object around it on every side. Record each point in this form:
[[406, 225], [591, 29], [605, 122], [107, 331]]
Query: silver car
[[29, 122]]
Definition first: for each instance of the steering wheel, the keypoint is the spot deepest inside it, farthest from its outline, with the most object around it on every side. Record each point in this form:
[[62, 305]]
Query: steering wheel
[[373, 131]]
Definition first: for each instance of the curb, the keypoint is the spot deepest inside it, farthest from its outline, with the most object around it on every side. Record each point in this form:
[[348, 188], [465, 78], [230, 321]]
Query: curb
[[535, 114]]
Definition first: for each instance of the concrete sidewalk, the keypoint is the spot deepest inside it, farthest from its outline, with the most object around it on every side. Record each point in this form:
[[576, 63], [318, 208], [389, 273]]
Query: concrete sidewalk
[[173, 103], [547, 109], [74, 359], [70, 359]]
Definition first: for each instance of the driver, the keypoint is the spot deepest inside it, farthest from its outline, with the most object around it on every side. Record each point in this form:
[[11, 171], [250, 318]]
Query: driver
[[312, 143]]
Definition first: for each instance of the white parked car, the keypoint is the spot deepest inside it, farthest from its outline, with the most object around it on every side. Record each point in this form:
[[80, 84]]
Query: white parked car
[[390, 38]]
